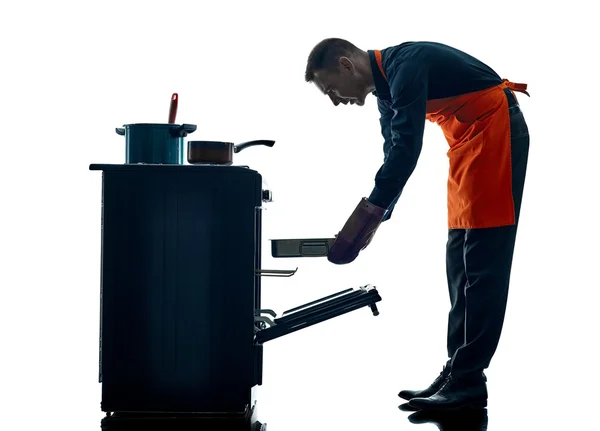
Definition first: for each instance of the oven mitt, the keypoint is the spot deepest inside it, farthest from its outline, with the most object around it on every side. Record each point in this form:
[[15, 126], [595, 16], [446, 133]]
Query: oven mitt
[[357, 233]]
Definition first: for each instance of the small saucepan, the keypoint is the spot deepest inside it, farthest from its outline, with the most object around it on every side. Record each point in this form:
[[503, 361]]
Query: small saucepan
[[216, 152]]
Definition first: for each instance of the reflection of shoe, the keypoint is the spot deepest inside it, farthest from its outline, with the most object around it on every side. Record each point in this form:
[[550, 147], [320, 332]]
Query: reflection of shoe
[[432, 389], [455, 393], [407, 408], [455, 420]]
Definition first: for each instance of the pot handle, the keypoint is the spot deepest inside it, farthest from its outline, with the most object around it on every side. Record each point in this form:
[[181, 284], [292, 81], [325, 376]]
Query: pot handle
[[240, 147], [120, 131], [183, 130]]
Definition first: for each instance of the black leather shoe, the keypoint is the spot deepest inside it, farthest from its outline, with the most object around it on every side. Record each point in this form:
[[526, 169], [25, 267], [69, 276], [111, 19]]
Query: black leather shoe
[[455, 393], [432, 389]]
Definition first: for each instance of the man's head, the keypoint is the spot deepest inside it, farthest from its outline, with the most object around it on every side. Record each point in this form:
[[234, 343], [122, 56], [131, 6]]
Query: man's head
[[341, 71]]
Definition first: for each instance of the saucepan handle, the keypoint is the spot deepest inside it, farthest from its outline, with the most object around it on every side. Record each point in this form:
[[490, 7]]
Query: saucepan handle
[[120, 131], [240, 147]]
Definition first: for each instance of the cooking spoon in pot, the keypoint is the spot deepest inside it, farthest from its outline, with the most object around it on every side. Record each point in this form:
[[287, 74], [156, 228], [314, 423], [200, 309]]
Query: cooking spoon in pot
[[173, 108]]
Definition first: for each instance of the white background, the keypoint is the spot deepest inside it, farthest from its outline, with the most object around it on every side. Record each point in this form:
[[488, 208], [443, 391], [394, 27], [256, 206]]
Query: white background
[[73, 71]]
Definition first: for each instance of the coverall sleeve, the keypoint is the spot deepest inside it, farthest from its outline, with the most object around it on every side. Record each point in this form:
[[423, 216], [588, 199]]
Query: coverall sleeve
[[385, 120], [408, 88]]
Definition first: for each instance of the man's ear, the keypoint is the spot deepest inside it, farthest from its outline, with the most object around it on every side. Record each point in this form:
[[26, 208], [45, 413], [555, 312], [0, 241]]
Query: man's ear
[[347, 65]]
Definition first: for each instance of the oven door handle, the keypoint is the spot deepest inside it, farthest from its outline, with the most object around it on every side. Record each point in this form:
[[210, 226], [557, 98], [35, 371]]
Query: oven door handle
[[276, 272]]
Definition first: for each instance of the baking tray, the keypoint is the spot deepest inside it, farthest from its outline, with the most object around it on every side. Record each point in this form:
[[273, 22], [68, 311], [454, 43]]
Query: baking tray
[[307, 247]]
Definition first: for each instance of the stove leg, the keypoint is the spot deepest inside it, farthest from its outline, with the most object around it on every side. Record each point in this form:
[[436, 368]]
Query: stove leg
[[129, 421]]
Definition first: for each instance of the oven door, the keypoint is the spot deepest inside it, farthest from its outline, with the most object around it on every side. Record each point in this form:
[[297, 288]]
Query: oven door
[[268, 326]]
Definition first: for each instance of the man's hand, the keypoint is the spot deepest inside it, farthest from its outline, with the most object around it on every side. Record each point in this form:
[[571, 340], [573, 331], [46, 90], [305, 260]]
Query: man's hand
[[357, 233], [367, 242]]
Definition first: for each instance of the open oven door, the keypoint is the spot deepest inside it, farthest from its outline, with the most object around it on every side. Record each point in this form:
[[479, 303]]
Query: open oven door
[[268, 326]]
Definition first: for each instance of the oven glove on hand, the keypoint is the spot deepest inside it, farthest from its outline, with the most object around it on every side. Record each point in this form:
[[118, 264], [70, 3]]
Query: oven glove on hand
[[357, 233]]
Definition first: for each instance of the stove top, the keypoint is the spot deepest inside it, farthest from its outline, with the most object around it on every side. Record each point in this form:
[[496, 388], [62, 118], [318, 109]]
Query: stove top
[[138, 166], [216, 164]]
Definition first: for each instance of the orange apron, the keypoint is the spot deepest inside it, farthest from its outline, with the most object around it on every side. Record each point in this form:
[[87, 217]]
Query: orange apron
[[477, 128]]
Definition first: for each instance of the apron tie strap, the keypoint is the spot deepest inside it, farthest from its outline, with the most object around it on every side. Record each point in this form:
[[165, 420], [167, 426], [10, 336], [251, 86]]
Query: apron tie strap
[[379, 62], [521, 88]]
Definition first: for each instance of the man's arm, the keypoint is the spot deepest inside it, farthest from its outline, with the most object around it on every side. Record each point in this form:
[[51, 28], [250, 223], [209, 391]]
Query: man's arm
[[408, 87], [385, 120]]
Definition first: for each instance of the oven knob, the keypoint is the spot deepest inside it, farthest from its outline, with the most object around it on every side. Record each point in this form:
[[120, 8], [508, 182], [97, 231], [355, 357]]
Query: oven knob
[[267, 196]]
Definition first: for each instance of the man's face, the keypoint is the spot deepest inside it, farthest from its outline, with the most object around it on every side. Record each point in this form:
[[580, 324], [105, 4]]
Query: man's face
[[342, 86]]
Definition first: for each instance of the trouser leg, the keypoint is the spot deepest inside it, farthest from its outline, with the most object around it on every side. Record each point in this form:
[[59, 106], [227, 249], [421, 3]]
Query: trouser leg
[[457, 280]]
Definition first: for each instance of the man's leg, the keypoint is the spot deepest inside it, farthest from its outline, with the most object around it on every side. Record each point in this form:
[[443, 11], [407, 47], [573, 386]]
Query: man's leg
[[457, 278], [488, 262], [488, 257]]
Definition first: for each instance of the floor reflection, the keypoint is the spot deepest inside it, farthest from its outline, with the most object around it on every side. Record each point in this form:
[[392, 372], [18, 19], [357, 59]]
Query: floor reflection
[[180, 422], [453, 420]]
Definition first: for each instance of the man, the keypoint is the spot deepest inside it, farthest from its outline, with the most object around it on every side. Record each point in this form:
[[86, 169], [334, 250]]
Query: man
[[488, 150]]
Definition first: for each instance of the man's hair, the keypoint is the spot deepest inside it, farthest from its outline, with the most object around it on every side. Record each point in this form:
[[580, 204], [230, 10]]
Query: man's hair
[[326, 54]]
